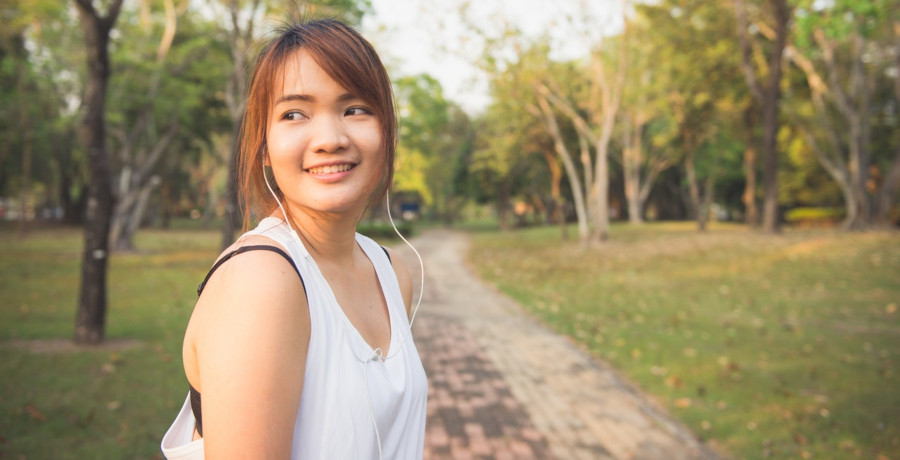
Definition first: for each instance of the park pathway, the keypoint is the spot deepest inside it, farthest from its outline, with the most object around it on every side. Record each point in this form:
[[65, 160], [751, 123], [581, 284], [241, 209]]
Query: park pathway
[[502, 385]]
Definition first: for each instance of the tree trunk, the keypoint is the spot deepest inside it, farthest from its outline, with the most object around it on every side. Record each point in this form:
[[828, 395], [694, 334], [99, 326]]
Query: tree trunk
[[135, 184], [503, 205], [857, 114], [769, 98], [232, 217], [90, 320], [127, 222], [556, 213], [578, 193], [166, 208], [600, 231], [706, 203], [240, 36], [771, 222], [632, 159], [887, 192], [27, 138], [751, 212], [694, 189]]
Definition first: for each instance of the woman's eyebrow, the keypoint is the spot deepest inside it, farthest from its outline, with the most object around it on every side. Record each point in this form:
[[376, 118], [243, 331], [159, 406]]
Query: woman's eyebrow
[[310, 98]]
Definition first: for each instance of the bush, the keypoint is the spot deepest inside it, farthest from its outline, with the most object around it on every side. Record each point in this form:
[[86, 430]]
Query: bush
[[383, 230], [813, 217]]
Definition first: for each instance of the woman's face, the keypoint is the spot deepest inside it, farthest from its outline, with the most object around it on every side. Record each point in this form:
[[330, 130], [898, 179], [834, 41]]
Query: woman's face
[[323, 142]]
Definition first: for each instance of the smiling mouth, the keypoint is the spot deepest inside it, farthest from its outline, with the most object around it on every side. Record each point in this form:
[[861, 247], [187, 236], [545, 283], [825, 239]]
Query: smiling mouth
[[330, 169]]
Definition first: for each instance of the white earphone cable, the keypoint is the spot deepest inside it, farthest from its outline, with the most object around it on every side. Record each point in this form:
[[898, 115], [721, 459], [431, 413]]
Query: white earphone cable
[[415, 310], [377, 353]]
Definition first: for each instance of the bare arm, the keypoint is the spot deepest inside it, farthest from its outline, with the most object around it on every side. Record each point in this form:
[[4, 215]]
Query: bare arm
[[249, 336]]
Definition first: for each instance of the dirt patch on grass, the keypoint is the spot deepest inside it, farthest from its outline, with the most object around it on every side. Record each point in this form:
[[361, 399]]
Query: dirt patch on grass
[[42, 346]]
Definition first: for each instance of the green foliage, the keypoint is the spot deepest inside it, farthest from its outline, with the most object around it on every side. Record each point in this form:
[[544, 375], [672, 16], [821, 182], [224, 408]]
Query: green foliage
[[814, 215], [183, 90], [801, 179], [434, 142], [33, 112], [508, 159], [409, 173], [766, 347], [839, 18], [384, 233]]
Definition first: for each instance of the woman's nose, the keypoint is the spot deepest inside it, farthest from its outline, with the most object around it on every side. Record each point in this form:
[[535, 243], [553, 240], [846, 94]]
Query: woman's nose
[[329, 135]]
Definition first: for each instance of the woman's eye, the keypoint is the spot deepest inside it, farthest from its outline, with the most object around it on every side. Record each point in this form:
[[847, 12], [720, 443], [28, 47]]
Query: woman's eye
[[358, 111], [293, 116]]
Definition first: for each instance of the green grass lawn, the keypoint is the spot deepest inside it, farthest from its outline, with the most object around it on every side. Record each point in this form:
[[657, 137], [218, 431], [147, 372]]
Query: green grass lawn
[[765, 346], [111, 402], [115, 401]]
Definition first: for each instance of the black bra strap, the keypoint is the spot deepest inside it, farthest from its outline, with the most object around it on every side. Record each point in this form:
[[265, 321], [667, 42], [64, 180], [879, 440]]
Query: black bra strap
[[244, 249], [195, 408]]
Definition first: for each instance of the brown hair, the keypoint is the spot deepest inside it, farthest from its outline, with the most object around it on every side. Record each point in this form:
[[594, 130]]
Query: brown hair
[[348, 59]]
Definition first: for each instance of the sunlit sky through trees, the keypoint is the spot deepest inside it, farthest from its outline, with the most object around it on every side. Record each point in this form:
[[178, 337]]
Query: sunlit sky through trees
[[441, 38]]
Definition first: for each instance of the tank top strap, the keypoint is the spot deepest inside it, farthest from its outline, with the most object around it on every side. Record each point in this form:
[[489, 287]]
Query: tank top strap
[[243, 249]]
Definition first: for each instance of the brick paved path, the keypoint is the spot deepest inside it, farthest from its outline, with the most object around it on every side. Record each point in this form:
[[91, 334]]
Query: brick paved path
[[503, 386]]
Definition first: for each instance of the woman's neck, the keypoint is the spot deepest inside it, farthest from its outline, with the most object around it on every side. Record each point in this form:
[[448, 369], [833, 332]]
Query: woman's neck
[[329, 238]]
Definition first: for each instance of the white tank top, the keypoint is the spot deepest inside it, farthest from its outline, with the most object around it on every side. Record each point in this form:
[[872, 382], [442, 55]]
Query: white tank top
[[335, 420]]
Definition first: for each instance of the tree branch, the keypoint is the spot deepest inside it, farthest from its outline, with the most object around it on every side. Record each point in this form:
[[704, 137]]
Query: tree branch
[[840, 97], [566, 107], [746, 66], [112, 14]]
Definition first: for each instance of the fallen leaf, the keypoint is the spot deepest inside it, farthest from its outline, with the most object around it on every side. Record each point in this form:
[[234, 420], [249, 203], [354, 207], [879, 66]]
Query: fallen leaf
[[683, 403], [35, 413], [674, 381]]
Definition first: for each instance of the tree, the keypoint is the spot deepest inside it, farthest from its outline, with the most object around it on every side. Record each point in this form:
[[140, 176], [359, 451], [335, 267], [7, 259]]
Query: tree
[[164, 80], [768, 96], [594, 121], [434, 135], [699, 79], [136, 159], [526, 125], [841, 50], [35, 121], [91, 317]]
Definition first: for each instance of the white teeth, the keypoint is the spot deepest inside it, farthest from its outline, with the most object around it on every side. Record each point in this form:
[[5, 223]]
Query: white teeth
[[330, 169]]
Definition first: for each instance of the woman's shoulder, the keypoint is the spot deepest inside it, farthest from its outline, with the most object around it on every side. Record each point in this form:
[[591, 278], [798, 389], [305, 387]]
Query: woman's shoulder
[[250, 292], [251, 263]]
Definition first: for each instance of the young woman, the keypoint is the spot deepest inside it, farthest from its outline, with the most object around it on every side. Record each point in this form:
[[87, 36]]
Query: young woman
[[299, 345]]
